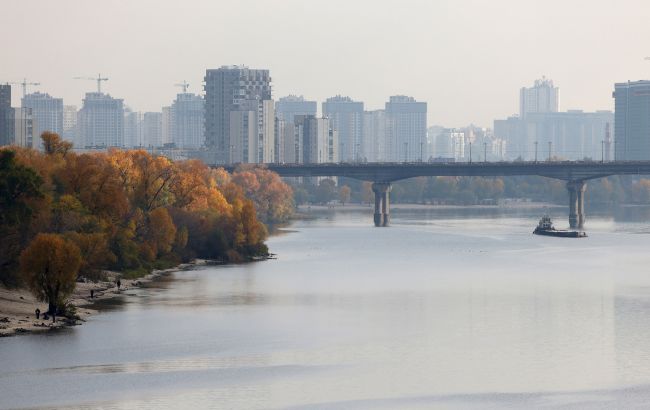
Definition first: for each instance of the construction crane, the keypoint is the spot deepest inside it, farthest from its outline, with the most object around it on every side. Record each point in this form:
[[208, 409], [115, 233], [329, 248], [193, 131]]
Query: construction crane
[[99, 80], [184, 85], [24, 84]]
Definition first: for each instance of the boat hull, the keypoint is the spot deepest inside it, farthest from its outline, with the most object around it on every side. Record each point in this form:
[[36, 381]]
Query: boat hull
[[560, 233]]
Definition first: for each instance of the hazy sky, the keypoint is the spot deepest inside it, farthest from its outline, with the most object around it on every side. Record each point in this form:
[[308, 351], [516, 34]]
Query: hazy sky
[[466, 58]]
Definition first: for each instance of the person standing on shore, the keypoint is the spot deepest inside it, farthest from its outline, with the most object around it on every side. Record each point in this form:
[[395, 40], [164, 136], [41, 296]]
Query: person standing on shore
[[38, 313], [119, 283]]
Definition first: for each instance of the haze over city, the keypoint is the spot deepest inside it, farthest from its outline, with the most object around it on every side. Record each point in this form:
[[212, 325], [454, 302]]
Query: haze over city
[[466, 59]]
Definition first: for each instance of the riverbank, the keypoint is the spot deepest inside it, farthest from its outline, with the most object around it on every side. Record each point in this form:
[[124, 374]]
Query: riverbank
[[17, 306]]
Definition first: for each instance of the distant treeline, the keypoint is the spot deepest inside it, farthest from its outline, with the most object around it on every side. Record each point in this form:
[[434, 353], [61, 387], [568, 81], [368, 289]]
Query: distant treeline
[[130, 211], [476, 190]]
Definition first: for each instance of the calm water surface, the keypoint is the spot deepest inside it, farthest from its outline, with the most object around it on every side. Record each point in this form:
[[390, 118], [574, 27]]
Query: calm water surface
[[448, 309]]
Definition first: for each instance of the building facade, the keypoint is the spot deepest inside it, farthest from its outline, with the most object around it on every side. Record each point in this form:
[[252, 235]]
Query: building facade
[[374, 144], [6, 116], [132, 129], [47, 112], [70, 124], [286, 108], [187, 124], [542, 97], [23, 128], [346, 118], [632, 121], [152, 129], [229, 89], [318, 140], [101, 121], [571, 135], [406, 129]]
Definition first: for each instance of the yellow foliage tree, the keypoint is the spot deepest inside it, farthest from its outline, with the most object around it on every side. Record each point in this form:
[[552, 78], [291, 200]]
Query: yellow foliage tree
[[49, 266]]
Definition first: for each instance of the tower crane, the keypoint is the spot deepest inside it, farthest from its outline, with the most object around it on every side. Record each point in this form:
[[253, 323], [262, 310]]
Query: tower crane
[[184, 85], [99, 80], [24, 84]]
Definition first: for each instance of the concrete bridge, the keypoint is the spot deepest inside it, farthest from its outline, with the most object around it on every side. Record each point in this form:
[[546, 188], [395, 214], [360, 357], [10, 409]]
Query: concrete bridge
[[575, 173]]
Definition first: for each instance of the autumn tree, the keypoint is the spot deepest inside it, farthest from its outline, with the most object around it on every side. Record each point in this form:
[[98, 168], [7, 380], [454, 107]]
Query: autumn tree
[[272, 197], [95, 252], [53, 144], [49, 266], [325, 191], [367, 195], [20, 187], [344, 194]]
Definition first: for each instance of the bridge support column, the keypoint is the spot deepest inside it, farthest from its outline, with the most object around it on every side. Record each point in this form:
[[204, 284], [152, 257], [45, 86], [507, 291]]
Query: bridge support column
[[382, 203], [576, 204]]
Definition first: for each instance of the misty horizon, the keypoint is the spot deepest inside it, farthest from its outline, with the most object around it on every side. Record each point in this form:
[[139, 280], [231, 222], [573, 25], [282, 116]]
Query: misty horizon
[[470, 59]]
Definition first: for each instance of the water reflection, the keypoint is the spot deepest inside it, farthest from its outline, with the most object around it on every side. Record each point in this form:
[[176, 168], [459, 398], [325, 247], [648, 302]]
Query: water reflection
[[446, 309]]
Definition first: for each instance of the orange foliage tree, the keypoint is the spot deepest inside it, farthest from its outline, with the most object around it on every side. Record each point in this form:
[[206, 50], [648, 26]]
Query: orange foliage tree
[[49, 266], [130, 210]]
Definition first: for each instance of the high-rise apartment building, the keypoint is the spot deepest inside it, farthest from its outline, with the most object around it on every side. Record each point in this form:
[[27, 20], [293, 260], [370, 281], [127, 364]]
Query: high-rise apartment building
[[406, 128], [243, 136], [449, 145], [572, 135], [253, 132], [70, 124], [346, 118], [132, 128], [47, 112], [373, 144], [286, 108], [24, 128], [318, 141], [542, 97], [228, 89], [167, 126], [152, 129], [6, 116], [101, 121], [187, 124], [632, 121]]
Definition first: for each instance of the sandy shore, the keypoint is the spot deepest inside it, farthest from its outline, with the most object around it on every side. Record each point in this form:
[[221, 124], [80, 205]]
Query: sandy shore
[[17, 306]]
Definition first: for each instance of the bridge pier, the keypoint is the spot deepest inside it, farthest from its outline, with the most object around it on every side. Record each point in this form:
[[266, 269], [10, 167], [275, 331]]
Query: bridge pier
[[382, 203], [576, 204]]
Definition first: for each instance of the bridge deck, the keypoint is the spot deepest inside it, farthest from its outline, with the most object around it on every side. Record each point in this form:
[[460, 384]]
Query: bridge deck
[[388, 172]]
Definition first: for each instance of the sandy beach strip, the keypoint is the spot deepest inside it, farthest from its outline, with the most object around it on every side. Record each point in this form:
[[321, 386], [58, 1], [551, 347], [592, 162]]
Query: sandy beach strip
[[18, 306]]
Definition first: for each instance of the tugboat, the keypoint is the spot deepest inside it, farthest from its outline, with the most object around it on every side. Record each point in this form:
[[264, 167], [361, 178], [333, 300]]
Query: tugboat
[[545, 227]]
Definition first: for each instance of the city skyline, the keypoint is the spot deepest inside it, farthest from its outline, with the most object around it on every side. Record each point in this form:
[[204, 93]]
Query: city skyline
[[466, 76]]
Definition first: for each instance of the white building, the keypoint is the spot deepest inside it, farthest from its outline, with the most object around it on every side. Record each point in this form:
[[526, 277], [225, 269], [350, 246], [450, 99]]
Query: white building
[[70, 124], [243, 136], [266, 132], [101, 121], [152, 129], [450, 145], [571, 135], [47, 112], [167, 126], [346, 117], [542, 97], [24, 128], [187, 121], [374, 143], [316, 139], [406, 128], [286, 108], [132, 129]]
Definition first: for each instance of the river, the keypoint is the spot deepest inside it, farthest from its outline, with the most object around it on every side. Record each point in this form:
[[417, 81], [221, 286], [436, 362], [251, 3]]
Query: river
[[449, 309]]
